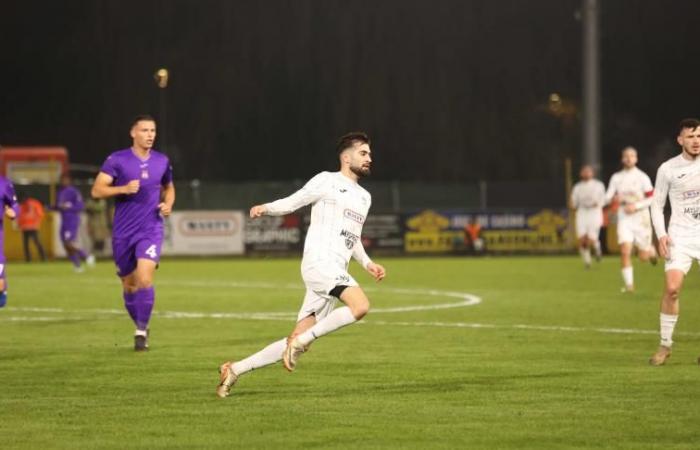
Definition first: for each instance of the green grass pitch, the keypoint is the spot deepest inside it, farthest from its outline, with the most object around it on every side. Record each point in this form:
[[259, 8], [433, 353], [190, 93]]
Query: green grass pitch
[[552, 357]]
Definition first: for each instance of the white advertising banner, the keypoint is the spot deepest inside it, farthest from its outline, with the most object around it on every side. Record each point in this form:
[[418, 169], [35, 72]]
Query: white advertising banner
[[204, 233]]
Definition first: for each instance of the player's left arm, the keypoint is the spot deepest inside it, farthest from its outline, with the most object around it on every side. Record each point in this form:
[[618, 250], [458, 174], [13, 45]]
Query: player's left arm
[[360, 255], [644, 203], [167, 199]]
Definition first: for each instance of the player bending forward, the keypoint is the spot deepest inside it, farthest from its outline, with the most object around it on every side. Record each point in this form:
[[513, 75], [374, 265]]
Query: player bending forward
[[588, 198], [339, 209], [679, 179], [633, 189]]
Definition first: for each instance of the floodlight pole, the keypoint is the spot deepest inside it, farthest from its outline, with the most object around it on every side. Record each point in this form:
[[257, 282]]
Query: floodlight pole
[[591, 85]]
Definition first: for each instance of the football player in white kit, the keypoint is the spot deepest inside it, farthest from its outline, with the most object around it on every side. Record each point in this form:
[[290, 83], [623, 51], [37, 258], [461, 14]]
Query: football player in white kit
[[588, 198], [340, 206], [679, 179], [633, 190]]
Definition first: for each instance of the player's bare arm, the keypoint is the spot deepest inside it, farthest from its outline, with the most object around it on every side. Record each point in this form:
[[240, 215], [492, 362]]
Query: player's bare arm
[[664, 244], [102, 188], [168, 196], [257, 211], [376, 270], [9, 212]]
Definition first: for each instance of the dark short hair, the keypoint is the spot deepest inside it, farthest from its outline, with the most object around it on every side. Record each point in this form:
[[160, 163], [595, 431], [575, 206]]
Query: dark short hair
[[142, 118], [348, 140], [691, 123]]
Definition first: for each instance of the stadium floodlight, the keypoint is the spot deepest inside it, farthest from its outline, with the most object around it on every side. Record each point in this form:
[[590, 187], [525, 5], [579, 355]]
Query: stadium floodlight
[[161, 76]]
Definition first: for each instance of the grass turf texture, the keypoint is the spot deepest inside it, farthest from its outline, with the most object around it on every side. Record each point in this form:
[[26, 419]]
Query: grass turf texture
[[397, 381]]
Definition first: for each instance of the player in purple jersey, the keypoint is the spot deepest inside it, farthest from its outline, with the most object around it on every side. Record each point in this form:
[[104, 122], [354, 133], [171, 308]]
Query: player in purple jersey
[[69, 203], [11, 209], [140, 180]]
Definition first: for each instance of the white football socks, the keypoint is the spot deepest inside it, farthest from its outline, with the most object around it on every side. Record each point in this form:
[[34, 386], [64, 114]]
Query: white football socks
[[269, 355], [667, 322], [586, 255], [596, 248], [628, 276], [338, 318]]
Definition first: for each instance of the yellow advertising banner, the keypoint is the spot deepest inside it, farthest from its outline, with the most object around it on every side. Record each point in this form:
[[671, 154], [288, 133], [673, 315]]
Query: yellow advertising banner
[[544, 231]]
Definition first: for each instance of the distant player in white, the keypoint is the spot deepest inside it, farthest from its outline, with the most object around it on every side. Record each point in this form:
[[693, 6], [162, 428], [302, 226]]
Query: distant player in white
[[588, 198], [679, 179], [339, 210], [633, 190]]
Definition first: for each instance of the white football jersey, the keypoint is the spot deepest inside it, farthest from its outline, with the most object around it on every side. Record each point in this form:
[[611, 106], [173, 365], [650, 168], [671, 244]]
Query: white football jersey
[[679, 180], [339, 208], [589, 194], [633, 188]]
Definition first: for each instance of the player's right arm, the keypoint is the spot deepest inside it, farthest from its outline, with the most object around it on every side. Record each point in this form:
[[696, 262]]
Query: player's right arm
[[574, 197], [312, 191], [656, 208], [102, 188], [612, 190]]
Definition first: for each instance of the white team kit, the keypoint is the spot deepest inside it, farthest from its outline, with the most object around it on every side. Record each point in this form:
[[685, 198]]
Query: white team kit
[[588, 198], [633, 188], [340, 206], [679, 180]]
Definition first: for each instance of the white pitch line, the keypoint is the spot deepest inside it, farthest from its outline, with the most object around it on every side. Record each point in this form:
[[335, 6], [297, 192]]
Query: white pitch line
[[527, 327], [290, 317]]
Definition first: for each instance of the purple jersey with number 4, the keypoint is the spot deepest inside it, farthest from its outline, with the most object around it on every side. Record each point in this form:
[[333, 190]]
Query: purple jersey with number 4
[[138, 213], [7, 198], [138, 225]]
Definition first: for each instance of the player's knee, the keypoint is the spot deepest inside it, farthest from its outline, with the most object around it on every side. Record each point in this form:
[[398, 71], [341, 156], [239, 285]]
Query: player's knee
[[360, 309], [672, 291], [144, 281]]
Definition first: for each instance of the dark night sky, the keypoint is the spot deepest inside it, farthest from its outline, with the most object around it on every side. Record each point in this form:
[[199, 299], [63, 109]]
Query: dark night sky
[[450, 90]]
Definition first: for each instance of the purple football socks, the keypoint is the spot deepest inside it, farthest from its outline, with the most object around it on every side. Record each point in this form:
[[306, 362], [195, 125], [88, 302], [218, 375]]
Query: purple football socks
[[140, 305]]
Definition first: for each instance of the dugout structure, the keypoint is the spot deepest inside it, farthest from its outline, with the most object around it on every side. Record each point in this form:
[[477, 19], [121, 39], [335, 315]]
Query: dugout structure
[[35, 172]]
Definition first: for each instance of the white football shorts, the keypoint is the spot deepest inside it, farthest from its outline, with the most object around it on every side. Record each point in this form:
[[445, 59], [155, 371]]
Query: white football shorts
[[635, 230], [320, 279], [682, 252], [588, 223]]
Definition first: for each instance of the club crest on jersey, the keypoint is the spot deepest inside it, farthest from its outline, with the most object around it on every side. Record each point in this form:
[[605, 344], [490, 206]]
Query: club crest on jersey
[[144, 173], [350, 238]]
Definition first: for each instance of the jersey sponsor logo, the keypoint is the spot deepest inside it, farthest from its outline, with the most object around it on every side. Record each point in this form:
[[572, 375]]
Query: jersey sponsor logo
[[144, 174], [342, 191], [352, 215], [691, 194], [693, 211], [350, 238]]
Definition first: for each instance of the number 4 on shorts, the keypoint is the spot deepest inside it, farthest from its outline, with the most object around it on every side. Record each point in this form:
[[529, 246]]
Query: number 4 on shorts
[[151, 251]]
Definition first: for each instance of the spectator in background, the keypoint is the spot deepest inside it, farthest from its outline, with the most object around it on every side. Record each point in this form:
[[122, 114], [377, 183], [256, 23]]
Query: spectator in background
[[472, 236], [31, 214]]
